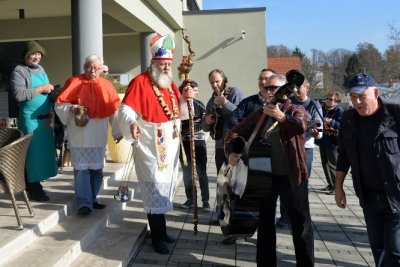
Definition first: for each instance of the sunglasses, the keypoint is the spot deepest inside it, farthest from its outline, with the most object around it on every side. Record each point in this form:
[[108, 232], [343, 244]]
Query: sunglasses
[[271, 88], [331, 99]]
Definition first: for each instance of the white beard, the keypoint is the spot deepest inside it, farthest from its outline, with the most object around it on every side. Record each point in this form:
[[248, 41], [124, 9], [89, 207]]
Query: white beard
[[162, 79]]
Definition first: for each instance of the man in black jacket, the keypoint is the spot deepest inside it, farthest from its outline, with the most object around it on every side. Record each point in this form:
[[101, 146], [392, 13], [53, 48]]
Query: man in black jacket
[[369, 144]]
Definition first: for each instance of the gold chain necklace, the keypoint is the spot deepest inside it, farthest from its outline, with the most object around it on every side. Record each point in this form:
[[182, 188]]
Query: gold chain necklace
[[171, 115]]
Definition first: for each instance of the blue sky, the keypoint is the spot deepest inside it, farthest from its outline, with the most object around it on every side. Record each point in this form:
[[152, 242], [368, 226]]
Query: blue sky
[[323, 24]]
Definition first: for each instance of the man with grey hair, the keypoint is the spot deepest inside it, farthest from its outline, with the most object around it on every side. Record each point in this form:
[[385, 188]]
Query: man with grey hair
[[87, 104], [281, 133], [369, 145]]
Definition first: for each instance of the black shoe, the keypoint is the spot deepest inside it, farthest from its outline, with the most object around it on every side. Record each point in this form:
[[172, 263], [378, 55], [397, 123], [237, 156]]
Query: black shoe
[[229, 240], [206, 206], [160, 247], [188, 204], [84, 211], [40, 197], [327, 188], [281, 222], [98, 206], [169, 240]]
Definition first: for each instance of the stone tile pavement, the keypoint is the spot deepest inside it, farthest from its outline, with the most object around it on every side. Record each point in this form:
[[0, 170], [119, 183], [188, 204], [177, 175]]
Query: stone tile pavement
[[340, 234]]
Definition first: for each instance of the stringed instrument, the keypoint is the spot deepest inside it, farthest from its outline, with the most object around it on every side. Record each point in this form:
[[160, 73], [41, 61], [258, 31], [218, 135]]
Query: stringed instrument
[[240, 214], [216, 131]]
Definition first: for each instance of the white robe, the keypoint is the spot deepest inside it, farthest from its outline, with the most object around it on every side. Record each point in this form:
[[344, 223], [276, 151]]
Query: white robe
[[157, 172]]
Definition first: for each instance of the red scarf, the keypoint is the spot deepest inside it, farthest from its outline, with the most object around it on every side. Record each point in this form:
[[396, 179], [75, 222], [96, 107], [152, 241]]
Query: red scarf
[[99, 96]]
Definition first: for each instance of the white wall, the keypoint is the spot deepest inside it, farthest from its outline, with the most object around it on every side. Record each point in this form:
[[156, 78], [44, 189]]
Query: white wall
[[217, 41]]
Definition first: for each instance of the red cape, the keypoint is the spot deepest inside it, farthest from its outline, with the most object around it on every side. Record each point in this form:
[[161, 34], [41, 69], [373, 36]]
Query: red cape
[[99, 96], [141, 97]]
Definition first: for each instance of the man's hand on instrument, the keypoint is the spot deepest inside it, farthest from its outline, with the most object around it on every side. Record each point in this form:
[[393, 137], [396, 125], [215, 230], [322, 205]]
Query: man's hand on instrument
[[220, 100], [314, 132], [234, 159], [273, 110], [210, 119], [135, 130]]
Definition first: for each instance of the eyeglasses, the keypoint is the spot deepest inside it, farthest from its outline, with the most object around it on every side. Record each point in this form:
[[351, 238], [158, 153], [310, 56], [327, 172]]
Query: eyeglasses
[[271, 87], [331, 99], [92, 69]]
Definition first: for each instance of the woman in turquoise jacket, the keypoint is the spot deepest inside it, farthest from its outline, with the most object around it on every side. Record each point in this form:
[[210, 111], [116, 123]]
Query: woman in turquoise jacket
[[30, 86]]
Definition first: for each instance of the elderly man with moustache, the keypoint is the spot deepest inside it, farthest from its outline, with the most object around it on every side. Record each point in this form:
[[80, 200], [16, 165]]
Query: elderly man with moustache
[[369, 145]]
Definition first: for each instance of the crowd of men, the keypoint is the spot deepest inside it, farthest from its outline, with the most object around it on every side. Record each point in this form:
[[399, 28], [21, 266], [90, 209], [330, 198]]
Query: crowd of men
[[154, 115]]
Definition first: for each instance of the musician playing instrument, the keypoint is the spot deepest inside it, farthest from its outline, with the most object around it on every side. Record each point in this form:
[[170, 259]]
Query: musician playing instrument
[[253, 102], [222, 103], [289, 175], [329, 143]]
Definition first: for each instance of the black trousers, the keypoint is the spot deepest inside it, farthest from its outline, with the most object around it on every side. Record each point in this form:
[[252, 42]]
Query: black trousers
[[158, 227], [295, 200]]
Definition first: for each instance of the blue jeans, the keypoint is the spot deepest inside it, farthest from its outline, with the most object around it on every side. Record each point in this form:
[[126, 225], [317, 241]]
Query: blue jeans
[[309, 160], [201, 168], [87, 186], [383, 229]]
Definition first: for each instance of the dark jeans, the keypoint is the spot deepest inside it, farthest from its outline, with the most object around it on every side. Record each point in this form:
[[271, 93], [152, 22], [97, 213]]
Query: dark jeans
[[383, 230], [295, 200], [201, 167], [220, 158], [329, 161]]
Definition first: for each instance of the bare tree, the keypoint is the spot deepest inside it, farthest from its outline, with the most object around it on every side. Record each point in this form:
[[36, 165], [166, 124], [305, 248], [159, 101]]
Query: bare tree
[[278, 51], [394, 34], [371, 60]]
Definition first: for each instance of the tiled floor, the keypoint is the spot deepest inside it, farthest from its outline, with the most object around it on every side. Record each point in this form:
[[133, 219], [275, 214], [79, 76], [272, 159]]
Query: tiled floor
[[340, 235]]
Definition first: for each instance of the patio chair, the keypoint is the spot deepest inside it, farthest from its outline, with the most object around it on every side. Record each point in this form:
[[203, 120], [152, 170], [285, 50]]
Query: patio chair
[[8, 135], [12, 165]]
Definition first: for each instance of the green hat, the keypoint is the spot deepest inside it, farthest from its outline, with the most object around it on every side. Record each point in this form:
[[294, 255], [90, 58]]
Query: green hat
[[32, 47]]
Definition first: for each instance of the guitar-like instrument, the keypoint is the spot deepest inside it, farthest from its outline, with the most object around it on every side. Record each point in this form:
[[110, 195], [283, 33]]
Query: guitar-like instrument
[[239, 214], [216, 131]]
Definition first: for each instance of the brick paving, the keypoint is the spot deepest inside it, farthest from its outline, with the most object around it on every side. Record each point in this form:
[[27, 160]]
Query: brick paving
[[340, 235]]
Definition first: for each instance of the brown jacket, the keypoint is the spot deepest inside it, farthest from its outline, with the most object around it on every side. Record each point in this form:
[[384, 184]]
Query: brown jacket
[[292, 135]]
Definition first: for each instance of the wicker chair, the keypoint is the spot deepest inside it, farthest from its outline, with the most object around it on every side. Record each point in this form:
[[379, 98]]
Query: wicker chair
[[12, 165], [8, 135]]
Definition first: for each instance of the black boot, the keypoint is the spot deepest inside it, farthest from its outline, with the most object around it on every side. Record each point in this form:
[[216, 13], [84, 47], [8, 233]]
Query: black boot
[[36, 192], [168, 239], [157, 233]]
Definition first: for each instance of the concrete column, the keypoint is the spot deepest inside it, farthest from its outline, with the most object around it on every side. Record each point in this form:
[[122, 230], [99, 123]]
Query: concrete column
[[87, 31], [145, 55]]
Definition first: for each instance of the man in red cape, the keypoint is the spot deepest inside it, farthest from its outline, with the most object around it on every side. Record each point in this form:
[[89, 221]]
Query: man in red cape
[[88, 143]]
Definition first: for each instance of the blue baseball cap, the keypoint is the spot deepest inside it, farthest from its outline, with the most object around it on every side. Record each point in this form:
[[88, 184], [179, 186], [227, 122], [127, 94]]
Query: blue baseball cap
[[360, 82]]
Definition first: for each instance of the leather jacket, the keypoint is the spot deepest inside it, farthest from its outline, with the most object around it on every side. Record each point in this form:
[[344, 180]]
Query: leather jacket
[[292, 132]]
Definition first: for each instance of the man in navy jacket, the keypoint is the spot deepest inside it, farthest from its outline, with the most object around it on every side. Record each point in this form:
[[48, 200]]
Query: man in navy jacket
[[369, 144]]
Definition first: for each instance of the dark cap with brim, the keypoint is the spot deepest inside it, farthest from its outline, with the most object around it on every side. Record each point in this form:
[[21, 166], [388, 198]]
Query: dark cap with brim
[[360, 82]]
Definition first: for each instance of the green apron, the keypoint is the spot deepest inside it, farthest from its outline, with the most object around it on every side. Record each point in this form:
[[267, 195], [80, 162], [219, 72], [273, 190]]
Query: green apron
[[40, 161]]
